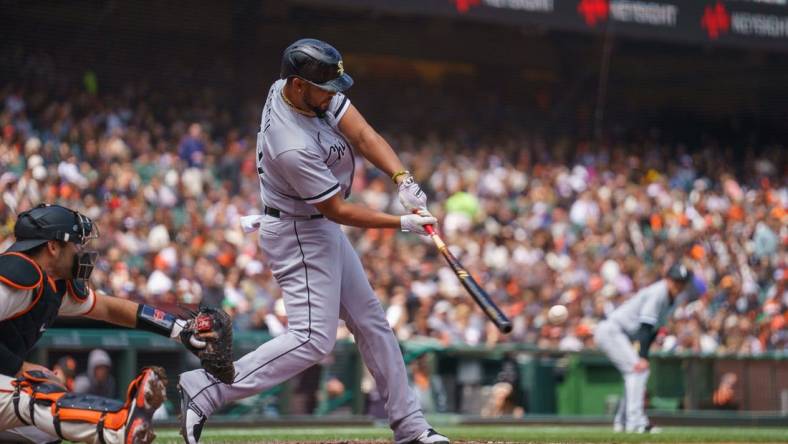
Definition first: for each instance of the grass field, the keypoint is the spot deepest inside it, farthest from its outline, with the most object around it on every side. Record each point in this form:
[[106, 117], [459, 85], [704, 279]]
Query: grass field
[[487, 434]]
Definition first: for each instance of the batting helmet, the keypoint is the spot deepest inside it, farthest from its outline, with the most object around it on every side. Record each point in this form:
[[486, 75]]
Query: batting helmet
[[317, 62], [51, 222]]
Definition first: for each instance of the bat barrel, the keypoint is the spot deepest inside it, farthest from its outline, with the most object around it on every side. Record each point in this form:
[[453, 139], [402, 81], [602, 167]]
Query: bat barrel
[[478, 294]]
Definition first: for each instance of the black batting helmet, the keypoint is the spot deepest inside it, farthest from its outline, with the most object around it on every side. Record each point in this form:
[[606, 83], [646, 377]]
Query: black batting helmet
[[51, 222], [317, 62]]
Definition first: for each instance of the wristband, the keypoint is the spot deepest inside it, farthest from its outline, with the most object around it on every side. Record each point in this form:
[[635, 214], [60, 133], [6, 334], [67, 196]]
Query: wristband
[[399, 173], [154, 320]]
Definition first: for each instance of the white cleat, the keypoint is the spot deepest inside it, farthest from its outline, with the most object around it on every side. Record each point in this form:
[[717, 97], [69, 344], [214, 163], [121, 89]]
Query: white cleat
[[430, 436], [647, 429]]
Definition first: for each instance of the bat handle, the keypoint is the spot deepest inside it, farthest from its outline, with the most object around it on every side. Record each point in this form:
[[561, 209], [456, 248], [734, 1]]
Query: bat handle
[[428, 228]]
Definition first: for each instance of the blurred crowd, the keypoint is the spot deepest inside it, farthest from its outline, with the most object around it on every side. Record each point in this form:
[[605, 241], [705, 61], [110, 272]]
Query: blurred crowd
[[538, 221]]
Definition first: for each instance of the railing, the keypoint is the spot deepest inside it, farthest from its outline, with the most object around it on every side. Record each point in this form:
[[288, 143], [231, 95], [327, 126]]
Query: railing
[[547, 382]]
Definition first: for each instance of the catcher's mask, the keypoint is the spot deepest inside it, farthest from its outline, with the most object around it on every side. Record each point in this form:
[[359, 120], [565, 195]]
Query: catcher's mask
[[54, 222]]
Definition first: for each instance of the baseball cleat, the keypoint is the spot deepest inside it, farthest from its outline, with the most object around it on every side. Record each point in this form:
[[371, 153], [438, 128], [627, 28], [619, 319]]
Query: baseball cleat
[[146, 394], [192, 418], [430, 436], [646, 429]]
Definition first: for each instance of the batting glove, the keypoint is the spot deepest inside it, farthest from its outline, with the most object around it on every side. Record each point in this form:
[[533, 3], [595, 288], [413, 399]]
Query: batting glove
[[415, 223], [410, 195]]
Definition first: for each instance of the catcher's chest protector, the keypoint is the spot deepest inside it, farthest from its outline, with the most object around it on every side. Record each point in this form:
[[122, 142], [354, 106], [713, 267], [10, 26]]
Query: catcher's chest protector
[[21, 332]]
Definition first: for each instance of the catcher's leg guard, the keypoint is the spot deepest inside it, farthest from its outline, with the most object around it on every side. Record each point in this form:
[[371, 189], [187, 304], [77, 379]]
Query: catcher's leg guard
[[92, 419], [145, 395]]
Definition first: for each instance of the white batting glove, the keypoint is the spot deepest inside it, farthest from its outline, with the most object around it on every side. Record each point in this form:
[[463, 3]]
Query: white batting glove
[[414, 223], [410, 195]]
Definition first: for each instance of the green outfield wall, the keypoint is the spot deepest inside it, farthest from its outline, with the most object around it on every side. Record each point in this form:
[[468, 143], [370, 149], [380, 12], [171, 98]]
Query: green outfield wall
[[460, 379]]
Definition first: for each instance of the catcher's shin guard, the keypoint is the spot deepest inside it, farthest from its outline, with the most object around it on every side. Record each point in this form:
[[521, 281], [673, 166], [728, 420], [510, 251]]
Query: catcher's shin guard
[[145, 394], [113, 421]]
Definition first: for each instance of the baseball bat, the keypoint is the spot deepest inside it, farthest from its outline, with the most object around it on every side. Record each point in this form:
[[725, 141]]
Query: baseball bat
[[474, 289]]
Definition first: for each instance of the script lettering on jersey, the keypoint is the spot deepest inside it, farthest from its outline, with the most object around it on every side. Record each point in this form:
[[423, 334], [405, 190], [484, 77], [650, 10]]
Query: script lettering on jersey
[[337, 148], [267, 109], [336, 151], [266, 123]]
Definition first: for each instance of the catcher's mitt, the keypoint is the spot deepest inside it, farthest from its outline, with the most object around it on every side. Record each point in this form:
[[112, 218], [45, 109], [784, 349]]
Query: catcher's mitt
[[215, 328]]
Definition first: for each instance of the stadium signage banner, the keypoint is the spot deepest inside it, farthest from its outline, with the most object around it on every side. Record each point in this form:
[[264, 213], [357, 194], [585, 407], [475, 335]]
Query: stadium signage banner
[[749, 23], [522, 5]]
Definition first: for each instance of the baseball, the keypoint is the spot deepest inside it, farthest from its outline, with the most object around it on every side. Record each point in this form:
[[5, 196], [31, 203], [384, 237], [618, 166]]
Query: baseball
[[557, 314]]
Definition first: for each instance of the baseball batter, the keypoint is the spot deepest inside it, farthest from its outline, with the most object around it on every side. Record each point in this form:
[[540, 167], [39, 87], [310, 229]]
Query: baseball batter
[[638, 319], [309, 133]]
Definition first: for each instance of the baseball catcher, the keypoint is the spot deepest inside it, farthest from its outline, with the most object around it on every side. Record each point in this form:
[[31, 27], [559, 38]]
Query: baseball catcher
[[44, 274]]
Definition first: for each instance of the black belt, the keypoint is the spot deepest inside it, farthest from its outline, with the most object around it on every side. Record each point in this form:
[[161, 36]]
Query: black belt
[[278, 214]]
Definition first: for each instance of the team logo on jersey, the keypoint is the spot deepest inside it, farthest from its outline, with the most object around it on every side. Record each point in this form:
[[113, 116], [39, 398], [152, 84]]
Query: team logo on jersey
[[340, 68], [335, 153], [336, 148]]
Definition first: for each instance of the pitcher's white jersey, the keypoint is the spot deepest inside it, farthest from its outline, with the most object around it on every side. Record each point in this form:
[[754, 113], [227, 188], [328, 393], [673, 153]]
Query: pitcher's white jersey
[[302, 160]]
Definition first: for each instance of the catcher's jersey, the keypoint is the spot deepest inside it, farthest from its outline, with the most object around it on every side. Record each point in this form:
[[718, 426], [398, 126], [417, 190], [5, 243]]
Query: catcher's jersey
[[14, 302], [302, 160], [651, 305]]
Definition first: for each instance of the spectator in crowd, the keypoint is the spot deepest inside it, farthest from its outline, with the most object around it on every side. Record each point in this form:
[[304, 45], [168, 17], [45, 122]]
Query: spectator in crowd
[[724, 395], [98, 379], [65, 369]]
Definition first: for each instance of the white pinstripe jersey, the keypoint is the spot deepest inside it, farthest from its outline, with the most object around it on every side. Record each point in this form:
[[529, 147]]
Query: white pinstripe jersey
[[302, 160]]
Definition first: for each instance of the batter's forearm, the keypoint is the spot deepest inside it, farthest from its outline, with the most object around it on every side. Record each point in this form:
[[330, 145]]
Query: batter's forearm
[[368, 142], [356, 215], [375, 149]]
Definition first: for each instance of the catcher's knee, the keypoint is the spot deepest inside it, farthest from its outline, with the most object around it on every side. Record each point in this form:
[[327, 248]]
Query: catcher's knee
[[40, 388], [61, 406]]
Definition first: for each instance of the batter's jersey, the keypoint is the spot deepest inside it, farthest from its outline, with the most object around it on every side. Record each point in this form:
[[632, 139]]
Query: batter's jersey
[[651, 305], [302, 160]]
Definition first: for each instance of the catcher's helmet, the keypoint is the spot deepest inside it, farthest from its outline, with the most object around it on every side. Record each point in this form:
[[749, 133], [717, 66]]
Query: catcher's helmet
[[51, 222], [317, 62]]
